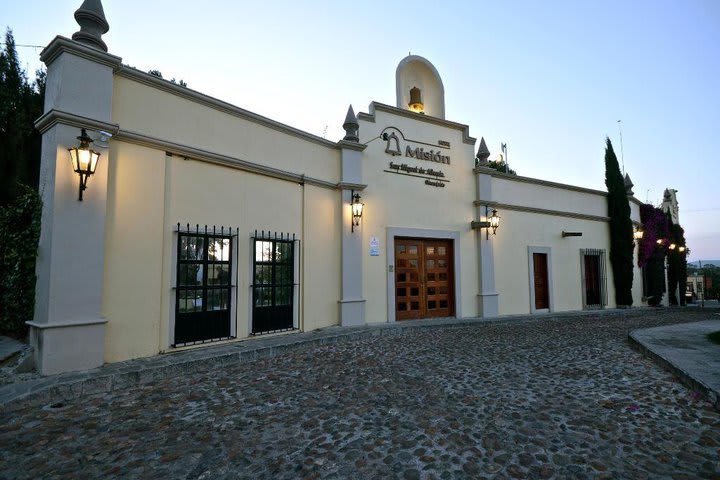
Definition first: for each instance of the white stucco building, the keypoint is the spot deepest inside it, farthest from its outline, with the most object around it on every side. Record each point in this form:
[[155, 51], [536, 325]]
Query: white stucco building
[[205, 222]]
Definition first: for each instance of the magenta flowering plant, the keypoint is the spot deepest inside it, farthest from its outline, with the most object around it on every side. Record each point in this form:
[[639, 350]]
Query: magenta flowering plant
[[655, 226]]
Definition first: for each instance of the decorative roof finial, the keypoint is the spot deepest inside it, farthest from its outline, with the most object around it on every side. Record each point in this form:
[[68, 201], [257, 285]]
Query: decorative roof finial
[[351, 126], [91, 18], [628, 186], [483, 153]]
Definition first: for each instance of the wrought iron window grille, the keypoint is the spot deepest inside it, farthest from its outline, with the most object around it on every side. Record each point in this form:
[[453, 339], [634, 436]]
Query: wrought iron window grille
[[274, 286], [205, 284]]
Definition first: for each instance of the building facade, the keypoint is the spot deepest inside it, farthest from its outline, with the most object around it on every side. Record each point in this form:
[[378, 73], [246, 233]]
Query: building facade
[[204, 222], [696, 287]]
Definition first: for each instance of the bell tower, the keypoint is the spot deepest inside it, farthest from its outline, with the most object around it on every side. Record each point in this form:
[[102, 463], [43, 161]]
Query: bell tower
[[419, 87]]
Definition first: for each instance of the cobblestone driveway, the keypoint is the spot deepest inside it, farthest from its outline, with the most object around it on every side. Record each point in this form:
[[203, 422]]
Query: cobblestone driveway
[[531, 399]]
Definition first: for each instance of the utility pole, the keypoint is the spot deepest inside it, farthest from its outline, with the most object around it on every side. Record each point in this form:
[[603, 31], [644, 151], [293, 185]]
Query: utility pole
[[503, 147], [622, 153], [702, 301]]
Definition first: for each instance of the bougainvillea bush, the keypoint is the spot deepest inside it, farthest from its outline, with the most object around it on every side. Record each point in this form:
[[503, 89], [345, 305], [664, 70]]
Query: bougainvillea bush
[[655, 226], [651, 255]]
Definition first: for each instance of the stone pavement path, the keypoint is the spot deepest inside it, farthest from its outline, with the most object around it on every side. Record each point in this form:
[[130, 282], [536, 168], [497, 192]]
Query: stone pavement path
[[9, 347], [564, 398]]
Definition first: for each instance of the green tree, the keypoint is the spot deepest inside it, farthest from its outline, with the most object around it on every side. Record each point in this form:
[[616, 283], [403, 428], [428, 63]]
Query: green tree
[[712, 276], [621, 230], [19, 235], [158, 73], [676, 265], [21, 103], [500, 166]]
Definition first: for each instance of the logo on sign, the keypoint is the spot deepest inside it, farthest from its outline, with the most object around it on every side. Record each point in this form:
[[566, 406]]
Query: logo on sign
[[392, 147], [393, 144]]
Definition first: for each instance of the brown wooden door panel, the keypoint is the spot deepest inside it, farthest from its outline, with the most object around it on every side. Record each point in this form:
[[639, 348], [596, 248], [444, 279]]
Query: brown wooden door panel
[[438, 278], [423, 278], [592, 280], [540, 270], [408, 282]]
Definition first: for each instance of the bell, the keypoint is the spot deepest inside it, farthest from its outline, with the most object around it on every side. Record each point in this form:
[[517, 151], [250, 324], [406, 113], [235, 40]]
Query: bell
[[416, 104]]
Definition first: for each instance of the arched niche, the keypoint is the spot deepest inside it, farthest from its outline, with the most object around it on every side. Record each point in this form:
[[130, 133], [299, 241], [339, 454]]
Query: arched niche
[[416, 71]]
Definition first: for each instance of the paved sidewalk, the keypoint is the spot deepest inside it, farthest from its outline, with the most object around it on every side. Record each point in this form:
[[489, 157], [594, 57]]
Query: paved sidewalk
[[685, 351]]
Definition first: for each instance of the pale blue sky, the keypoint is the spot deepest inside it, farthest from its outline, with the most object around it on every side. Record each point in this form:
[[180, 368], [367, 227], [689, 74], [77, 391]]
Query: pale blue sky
[[549, 78]]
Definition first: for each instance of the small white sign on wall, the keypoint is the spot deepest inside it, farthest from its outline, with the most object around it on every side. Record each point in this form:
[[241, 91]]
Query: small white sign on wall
[[374, 247]]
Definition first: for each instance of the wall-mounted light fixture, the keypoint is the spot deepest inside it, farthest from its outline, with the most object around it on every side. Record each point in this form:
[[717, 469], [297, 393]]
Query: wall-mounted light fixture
[[84, 160], [638, 233], [672, 246], [416, 105], [490, 222], [357, 210], [681, 249]]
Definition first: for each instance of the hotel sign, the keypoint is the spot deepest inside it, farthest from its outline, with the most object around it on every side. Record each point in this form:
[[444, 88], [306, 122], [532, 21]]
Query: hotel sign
[[431, 156], [434, 177]]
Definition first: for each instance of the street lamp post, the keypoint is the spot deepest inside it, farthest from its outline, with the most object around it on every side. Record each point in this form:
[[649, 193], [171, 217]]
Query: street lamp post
[[702, 300]]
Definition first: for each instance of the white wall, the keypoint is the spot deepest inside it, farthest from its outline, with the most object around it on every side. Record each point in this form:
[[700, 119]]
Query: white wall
[[399, 201], [550, 197], [142, 108], [520, 230], [149, 192]]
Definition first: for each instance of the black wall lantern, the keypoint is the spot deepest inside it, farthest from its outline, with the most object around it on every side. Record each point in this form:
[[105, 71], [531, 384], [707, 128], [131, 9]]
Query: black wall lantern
[[491, 222], [357, 210], [84, 160], [638, 234]]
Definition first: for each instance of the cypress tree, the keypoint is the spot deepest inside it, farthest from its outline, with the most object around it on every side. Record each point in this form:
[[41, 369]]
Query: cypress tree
[[21, 103], [677, 264], [621, 230], [20, 206]]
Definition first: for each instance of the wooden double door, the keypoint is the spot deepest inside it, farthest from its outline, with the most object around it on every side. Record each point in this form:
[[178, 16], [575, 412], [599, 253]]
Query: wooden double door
[[424, 278]]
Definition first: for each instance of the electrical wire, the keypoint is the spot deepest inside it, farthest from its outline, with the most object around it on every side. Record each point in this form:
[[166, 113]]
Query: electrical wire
[[23, 45]]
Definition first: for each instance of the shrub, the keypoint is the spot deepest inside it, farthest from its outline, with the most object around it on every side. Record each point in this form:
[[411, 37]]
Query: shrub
[[19, 236]]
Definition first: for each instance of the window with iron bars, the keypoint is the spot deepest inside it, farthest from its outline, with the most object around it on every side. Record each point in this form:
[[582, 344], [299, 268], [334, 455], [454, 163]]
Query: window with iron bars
[[204, 287], [274, 287]]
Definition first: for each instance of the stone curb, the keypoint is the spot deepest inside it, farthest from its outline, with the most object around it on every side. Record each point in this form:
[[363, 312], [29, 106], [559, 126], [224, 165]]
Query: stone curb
[[685, 377], [9, 347], [53, 391]]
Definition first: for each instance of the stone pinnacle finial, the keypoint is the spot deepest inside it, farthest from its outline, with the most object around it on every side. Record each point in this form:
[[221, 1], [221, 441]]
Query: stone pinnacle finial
[[628, 186], [483, 153], [91, 18], [351, 126]]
